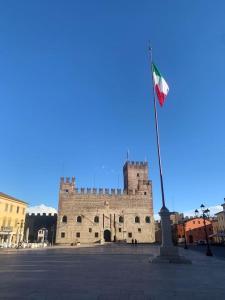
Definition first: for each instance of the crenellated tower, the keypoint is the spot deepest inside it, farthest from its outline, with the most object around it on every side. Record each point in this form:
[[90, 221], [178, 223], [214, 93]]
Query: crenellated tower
[[136, 177], [67, 185]]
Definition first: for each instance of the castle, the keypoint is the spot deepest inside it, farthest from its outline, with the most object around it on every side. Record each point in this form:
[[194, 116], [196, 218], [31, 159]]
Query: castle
[[103, 215]]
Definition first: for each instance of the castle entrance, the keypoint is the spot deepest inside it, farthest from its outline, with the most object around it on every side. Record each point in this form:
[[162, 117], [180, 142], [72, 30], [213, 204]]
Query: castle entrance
[[107, 235]]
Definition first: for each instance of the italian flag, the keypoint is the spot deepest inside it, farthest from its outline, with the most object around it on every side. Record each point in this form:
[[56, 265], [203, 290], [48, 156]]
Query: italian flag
[[161, 87]]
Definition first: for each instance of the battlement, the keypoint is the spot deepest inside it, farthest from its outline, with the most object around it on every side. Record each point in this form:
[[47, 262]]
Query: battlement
[[67, 180], [135, 181], [67, 184], [41, 215], [136, 164], [105, 192], [99, 191]]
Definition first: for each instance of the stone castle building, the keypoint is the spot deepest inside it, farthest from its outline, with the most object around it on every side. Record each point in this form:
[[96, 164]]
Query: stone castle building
[[92, 216]]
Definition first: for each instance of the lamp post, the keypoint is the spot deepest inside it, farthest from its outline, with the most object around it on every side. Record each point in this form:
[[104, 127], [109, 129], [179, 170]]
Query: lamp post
[[204, 215]]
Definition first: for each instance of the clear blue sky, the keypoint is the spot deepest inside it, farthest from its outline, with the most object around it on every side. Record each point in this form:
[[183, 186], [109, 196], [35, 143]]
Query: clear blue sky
[[75, 93]]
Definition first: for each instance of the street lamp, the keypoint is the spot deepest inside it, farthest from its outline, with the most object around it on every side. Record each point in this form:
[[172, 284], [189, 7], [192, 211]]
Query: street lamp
[[204, 215]]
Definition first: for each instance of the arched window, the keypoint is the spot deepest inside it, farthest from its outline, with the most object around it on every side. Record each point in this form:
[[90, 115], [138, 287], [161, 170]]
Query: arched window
[[79, 219], [137, 219], [64, 219], [96, 219], [120, 219], [147, 219]]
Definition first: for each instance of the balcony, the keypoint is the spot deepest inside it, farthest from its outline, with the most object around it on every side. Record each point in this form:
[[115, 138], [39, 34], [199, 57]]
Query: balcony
[[6, 229]]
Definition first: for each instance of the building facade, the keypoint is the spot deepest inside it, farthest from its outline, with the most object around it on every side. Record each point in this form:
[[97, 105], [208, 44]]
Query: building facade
[[219, 231], [195, 230], [40, 227], [92, 216], [216, 236], [12, 218]]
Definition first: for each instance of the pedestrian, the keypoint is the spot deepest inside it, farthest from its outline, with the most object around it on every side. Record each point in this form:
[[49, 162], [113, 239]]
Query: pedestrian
[[132, 241], [135, 241]]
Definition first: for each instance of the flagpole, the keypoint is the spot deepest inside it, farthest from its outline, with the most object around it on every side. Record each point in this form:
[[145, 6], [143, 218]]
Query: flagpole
[[168, 252], [157, 135]]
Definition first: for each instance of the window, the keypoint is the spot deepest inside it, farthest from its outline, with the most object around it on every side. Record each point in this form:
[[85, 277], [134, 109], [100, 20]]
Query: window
[[17, 209], [147, 219], [23, 211], [137, 219], [79, 219], [96, 234], [66, 191], [138, 175], [90, 229], [6, 206], [145, 193], [139, 229], [198, 222], [64, 219], [11, 208], [63, 234], [193, 222], [78, 234], [16, 222], [121, 219], [120, 230], [130, 234], [96, 219]]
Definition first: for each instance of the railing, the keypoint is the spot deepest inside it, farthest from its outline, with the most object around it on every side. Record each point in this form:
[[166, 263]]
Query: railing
[[6, 228]]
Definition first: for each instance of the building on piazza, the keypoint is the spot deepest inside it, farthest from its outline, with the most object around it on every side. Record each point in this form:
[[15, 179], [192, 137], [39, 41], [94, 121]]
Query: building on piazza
[[12, 219], [103, 215]]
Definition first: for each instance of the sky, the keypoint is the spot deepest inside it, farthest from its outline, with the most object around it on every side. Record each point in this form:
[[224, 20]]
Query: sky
[[76, 94]]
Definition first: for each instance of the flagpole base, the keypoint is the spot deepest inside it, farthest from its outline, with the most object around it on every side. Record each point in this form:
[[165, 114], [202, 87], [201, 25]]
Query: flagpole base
[[168, 252], [170, 260], [170, 255]]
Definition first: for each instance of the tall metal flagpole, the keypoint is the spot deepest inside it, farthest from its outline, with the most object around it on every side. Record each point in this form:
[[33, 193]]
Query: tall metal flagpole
[[168, 252], [157, 134]]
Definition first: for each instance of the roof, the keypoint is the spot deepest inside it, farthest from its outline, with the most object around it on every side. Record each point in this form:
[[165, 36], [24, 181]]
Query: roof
[[12, 198], [222, 211]]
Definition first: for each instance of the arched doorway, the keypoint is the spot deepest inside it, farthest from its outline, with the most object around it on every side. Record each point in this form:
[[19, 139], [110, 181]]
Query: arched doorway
[[107, 235]]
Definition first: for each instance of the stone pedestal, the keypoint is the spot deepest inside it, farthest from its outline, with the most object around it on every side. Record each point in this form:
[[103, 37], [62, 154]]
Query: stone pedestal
[[168, 252]]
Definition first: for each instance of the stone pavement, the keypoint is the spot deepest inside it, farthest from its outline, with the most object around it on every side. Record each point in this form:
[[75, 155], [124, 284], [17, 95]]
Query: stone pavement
[[107, 272]]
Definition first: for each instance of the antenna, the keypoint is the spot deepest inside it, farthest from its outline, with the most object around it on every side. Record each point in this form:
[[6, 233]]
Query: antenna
[[128, 153]]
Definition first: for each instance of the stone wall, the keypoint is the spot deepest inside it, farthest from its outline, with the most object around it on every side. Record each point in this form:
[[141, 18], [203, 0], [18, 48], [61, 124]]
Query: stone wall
[[35, 222]]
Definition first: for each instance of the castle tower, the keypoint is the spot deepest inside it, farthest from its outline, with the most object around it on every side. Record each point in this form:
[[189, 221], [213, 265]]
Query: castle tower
[[135, 177], [67, 185]]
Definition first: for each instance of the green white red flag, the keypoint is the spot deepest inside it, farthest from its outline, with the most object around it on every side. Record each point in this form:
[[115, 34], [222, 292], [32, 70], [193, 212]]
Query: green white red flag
[[161, 87]]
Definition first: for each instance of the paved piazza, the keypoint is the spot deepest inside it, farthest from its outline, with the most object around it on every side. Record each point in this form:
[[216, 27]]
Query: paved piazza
[[107, 272]]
